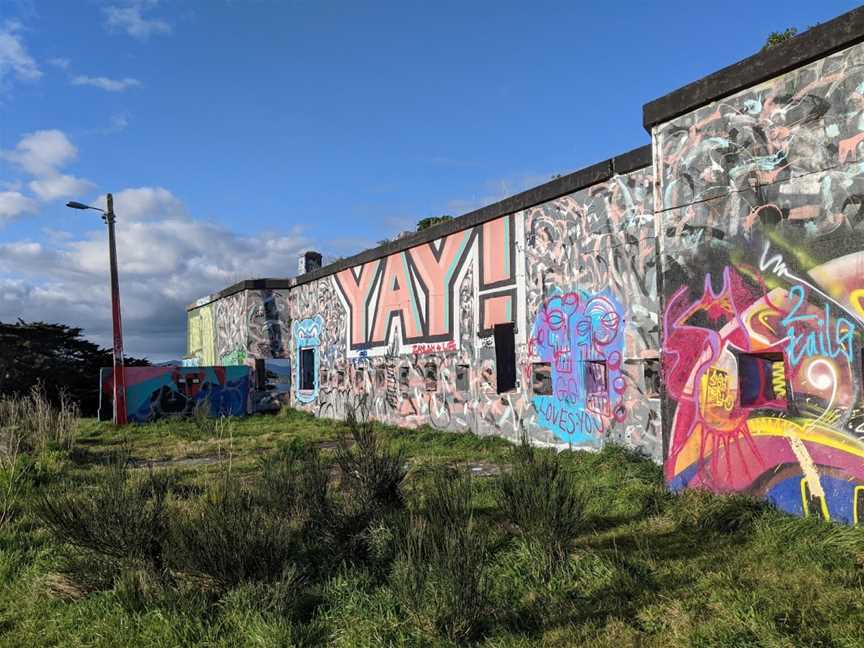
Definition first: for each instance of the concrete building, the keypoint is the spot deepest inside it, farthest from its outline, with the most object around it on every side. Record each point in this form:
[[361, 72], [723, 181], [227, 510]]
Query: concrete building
[[730, 251]]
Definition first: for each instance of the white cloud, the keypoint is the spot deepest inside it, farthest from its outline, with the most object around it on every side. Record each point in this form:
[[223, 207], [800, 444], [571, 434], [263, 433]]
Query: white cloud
[[42, 152], [109, 85], [62, 63], [54, 187], [130, 19], [14, 203], [14, 59], [167, 259]]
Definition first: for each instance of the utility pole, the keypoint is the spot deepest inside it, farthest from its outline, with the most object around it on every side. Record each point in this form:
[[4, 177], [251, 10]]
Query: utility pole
[[120, 417], [119, 373]]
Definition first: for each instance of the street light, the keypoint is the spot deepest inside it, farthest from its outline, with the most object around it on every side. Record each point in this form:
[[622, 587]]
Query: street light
[[119, 374]]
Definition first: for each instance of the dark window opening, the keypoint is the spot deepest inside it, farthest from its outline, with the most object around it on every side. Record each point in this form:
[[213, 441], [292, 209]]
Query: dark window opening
[[307, 369], [403, 377], [541, 379], [762, 380], [505, 357], [325, 377], [380, 379], [260, 375], [651, 375], [358, 377], [431, 376], [340, 378], [462, 378], [596, 386], [595, 377]]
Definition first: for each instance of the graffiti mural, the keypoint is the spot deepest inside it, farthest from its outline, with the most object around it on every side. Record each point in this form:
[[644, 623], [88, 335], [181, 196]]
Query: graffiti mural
[[163, 392], [763, 273], [601, 241], [268, 324], [230, 329], [581, 336]]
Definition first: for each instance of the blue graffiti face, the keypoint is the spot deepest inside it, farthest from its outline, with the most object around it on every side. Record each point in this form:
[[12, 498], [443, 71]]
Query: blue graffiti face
[[581, 336], [307, 340]]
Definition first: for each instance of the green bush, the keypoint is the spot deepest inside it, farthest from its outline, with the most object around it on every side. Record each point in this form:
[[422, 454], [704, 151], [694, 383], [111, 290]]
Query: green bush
[[123, 517], [542, 498], [440, 576], [230, 538], [372, 472], [295, 480]]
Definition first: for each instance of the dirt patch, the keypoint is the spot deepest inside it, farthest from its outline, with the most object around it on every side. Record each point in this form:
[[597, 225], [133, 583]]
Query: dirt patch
[[482, 468], [204, 460]]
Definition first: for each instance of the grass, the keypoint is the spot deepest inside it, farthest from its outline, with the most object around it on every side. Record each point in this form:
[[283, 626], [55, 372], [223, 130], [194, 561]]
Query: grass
[[446, 562]]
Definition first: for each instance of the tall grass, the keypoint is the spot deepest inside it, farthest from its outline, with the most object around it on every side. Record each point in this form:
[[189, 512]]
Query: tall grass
[[32, 422], [28, 425]]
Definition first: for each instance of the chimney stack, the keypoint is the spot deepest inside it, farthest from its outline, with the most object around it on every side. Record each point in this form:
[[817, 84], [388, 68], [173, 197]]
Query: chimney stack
[[308, 261]]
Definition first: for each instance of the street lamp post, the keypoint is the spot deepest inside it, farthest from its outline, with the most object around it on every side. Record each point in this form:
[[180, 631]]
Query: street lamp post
[[119, 374]]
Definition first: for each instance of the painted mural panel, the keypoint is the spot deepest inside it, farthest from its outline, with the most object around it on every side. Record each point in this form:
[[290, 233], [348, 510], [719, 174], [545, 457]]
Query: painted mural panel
[[268, 324], [201, 336], [805, 121], [162, 392], [230, 327], [763, 271], [591, 279]]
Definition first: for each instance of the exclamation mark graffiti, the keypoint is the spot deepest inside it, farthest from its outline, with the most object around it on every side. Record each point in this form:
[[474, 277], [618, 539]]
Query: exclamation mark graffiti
[[392, 390]]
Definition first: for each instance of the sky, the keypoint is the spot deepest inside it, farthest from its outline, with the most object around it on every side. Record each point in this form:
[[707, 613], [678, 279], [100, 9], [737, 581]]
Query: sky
[[236, 133]]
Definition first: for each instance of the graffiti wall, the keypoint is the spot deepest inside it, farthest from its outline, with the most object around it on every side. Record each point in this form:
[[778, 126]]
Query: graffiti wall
[[761, 199], [413, 331], [593, 315], [160, 392]]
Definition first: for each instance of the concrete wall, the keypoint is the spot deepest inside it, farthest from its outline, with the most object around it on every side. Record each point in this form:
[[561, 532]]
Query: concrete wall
[[760, 198], [734, 263], [414, 329]]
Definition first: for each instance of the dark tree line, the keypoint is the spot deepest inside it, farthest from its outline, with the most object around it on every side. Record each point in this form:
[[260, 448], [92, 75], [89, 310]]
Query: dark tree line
[[57, 356]]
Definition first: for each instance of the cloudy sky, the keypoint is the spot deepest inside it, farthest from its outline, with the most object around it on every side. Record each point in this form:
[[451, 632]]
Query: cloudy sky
[[235, 133]]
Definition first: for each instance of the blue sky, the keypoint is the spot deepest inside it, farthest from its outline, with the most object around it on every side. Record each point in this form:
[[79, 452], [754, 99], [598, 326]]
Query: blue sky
[[236, 133]]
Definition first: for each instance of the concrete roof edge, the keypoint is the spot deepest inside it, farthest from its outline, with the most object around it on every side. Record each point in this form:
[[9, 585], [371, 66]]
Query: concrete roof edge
[[815, 43]]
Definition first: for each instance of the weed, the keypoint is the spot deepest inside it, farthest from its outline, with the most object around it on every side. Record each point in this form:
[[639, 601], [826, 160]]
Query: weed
[[440, 575], [230, 539], [542, 498], [372, 472], [121, 517], [294, 480]]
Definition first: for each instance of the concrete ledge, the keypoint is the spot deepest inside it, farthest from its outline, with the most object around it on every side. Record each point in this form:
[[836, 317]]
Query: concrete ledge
[[627, 162], [818, 42]]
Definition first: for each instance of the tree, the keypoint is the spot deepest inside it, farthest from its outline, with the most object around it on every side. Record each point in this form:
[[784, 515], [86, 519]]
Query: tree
[[57, 356], [426, 223], [775, 38]]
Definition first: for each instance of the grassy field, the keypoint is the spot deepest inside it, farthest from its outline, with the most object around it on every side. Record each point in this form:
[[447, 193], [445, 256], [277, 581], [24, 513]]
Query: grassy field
[[269, 531]]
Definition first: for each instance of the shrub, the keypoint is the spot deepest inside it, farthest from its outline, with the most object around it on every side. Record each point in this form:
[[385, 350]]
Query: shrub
[[122, 517], [440, 575], [231, 539], [541, 497], [296, 481], [372, 472]]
